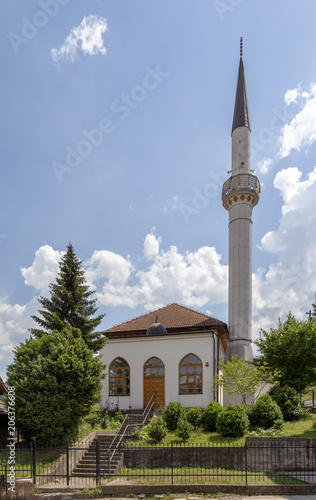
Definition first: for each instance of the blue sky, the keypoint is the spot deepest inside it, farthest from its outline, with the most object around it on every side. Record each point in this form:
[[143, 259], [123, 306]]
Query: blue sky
[[115, 135]]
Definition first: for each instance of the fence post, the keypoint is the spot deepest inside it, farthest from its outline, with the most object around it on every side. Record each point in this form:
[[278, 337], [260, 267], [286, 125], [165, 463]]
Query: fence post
[[246, 462], [34, 459], [109, 464], [98, 471], [67, 456], [172, 462]]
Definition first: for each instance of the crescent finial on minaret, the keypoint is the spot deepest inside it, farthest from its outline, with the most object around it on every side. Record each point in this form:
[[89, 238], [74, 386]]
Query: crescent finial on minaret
[[241, 46]]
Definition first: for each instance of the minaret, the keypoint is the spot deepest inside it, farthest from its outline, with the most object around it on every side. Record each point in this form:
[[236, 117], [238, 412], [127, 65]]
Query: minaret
[[240, 194]]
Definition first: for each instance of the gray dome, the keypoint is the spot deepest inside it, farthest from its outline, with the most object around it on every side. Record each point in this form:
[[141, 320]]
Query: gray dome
[[156, 328]]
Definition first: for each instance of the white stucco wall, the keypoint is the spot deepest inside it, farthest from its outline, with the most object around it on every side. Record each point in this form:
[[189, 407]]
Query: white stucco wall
[[170, 349]]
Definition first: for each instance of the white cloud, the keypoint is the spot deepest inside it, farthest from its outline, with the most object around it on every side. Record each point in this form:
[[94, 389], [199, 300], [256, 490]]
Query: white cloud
[[290, 282], [301, 131], [43, 269], [291, 96], [151, 245], [87, 37], [264, 165], [109, 267]]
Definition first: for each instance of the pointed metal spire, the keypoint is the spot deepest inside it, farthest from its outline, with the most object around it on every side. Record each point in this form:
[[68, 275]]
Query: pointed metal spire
[[241, 111]]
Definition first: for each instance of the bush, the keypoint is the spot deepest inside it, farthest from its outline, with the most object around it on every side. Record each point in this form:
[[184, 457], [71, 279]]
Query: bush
[[184, 429], [172, 413], [233, 421], [288, 400], [139, 435], [194, 416], [210, 416], [157, 429], [265, 413]]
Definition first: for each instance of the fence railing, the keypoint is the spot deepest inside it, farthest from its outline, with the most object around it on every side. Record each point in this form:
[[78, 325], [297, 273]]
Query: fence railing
[[256, 462], [4, 479], [259, 461]]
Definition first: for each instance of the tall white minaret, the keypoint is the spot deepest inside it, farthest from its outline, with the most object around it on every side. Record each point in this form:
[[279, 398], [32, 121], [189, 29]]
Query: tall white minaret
[[240, 194]]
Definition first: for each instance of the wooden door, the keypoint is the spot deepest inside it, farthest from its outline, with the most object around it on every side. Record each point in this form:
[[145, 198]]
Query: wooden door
[[154, 382]]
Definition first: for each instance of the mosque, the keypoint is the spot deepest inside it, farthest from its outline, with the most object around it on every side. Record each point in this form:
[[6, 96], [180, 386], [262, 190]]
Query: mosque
[[173, 352]]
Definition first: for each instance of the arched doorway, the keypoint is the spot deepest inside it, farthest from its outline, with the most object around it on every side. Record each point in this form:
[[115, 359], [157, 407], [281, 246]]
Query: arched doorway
[[154, 381]]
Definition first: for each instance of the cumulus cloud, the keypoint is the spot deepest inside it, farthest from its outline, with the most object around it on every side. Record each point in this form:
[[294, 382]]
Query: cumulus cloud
[[301, 131], [291, 96], [43, 269], [264, 165], [87, 38], [290, 282], [151, 245]]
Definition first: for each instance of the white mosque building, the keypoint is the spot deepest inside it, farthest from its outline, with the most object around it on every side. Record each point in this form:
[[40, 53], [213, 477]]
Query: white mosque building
[[174, 351]]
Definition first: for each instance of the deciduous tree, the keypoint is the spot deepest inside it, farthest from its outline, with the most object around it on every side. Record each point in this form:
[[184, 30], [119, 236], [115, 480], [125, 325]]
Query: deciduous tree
[[57, 379], [291, 349], [238, 377]]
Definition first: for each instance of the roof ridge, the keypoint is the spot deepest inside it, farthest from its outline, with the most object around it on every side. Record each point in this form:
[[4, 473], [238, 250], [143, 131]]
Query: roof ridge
[[189, 309]]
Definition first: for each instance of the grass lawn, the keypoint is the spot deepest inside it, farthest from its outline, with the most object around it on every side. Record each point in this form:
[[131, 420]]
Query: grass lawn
[[201, 475], [301, 428]]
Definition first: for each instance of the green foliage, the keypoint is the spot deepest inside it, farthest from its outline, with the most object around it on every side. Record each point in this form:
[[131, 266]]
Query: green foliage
[[70, 303], [184, 429], [291, 349], [157, 429], [210, 416], [233, 421], [57, 380], [288, 400], [193, 416], [265, 413], [314, 310], [238, 377], [139, 435], [172, 413]]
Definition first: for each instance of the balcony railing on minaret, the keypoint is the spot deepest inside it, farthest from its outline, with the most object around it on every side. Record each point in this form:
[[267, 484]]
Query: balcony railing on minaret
[[241, 182]]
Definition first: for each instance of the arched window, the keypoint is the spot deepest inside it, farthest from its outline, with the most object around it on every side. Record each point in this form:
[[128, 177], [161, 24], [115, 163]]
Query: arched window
[[119, 378], [154, 367], [190, 375]]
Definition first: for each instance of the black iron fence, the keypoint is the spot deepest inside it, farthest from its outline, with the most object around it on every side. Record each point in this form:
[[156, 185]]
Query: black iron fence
[[259, 461]]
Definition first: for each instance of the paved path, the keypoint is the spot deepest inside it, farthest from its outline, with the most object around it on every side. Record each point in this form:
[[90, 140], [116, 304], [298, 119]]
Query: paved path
[[219, 496]]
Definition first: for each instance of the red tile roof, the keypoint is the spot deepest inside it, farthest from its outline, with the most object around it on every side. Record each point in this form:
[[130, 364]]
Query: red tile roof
[[173, 317], [3, 388]]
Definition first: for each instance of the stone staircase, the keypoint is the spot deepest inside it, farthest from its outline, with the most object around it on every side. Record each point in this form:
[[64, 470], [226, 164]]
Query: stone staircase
[[109, 444], [87, 465]]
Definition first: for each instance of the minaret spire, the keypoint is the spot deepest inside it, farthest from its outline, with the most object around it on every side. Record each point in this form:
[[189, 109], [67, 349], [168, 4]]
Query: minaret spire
[[241, 111], [240, 194]]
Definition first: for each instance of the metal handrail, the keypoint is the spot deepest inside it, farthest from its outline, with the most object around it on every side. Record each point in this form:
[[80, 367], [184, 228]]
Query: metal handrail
[[124, 426], [240, 182]]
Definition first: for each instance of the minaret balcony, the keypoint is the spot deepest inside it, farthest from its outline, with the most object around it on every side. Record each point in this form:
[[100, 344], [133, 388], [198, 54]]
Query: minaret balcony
[[242, 188]]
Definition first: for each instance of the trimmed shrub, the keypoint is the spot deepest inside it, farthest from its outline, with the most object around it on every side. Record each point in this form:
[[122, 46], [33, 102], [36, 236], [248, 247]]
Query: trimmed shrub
[[210, 416], [265, 413], [156, 429], [194, 416], [288, 400], [233, 421], [184, 429], [172, 413]]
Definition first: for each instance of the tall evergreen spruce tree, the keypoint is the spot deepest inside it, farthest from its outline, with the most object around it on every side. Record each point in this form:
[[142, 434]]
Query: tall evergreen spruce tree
[[70, 303]]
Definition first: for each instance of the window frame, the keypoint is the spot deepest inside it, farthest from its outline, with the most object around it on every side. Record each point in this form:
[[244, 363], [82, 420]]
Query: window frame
[[194, 375], [116, 377]]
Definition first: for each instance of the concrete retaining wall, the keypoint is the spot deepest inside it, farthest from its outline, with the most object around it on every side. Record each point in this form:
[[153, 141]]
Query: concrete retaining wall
[[260, 454]]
